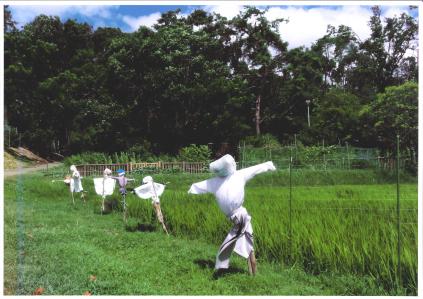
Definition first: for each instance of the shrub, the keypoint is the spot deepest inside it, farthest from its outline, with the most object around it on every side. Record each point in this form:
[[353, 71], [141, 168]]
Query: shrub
[[267, 140], [195, 153]]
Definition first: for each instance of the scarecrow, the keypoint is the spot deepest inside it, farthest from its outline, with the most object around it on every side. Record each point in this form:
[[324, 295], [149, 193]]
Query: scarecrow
[[150, 189], [104, 186], [228, 188], [75, 183], [123, 181]]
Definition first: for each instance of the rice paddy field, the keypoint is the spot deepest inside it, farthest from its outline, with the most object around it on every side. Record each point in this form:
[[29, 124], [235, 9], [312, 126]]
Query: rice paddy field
[[329, 224], [342, 228]]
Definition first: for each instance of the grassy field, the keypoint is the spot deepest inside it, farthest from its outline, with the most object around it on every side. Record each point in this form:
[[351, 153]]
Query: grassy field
[[71, 250]]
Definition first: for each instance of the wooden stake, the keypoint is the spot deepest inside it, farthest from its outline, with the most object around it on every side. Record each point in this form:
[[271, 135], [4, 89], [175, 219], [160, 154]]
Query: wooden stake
[[252, 264]]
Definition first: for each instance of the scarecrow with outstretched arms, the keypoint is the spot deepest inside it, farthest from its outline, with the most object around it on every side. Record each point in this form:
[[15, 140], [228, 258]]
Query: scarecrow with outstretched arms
[[104, 186], [228, 188], [123, 181], [150, 189]]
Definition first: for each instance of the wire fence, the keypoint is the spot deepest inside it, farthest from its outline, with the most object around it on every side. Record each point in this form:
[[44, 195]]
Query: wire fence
[[393, 222], [402, 220], [324, 157]]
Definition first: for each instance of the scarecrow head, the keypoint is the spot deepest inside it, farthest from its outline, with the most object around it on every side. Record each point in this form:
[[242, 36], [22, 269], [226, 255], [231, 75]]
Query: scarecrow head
[[147, 179], [224, 166]]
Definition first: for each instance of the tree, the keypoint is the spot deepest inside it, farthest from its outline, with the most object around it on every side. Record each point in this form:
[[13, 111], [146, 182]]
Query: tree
[[338, 50], [301, 81], [9, 23], [255, 40], [395, 112], [386, 53], [336, 117]]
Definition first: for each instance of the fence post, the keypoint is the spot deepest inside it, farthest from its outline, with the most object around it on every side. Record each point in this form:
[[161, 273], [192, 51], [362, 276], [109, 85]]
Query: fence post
[[324, 155], [398, 214], [290, 209], [348, 156], [243, 156]]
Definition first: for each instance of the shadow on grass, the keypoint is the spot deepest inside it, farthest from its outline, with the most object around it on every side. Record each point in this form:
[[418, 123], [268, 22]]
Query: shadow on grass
[[203, 264], [209, 264], [141, 227]]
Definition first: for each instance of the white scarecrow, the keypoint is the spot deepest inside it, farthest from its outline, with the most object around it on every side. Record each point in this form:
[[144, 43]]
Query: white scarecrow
[[228, 188], [150, 189], [75, 183], [104, 186]]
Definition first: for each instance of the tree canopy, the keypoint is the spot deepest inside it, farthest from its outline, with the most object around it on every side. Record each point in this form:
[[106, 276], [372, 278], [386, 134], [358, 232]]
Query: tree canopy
[[204, 78]]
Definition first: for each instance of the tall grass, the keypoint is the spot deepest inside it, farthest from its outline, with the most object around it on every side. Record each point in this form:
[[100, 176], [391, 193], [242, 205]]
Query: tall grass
[[340, 228]]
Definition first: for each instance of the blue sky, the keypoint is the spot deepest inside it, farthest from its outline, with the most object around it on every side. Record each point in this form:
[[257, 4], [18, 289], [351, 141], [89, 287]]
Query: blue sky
[[306, 23]]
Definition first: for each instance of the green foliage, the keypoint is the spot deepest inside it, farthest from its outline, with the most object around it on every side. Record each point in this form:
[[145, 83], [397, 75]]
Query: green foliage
[[395, 112], [201, 78], [336, 116], [195, 153], [101, 158], [314, 157], [65, 246], [263, 140], [322, 219]]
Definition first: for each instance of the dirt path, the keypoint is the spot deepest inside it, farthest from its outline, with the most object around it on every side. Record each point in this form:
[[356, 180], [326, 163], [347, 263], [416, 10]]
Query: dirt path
[[24, 170]]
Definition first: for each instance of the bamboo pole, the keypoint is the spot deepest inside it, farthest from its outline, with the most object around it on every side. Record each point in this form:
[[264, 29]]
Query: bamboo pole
[[398, 215], [290, 208]]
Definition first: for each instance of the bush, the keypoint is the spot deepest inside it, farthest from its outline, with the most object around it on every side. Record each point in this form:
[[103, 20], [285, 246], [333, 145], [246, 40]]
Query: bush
[[195, 153], [267, 140]]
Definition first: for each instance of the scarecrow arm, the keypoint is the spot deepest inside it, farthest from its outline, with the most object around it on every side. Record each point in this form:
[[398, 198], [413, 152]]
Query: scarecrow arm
[[207, 186], [250, 172]]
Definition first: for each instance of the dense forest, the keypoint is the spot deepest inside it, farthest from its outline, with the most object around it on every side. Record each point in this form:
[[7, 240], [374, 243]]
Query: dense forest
[[205, 78]]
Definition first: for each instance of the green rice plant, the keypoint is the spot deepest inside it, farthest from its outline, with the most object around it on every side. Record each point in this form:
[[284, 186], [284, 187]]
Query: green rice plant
[[335, 228]]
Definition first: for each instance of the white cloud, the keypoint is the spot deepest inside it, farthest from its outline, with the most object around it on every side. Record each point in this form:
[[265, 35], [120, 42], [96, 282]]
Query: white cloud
[[23, 14], [225, 10], [305, 26], [135, 22], [149, 20], [392, 11]]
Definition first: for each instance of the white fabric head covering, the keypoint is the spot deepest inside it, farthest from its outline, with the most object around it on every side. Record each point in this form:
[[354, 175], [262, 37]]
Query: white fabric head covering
[[107, 171], [224, 166], [73, 168], [147, 179]]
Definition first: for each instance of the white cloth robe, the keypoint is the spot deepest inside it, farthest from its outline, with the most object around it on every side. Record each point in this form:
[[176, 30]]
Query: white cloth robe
[[149, 190], [75, 183], [104, 186], [229, 193]]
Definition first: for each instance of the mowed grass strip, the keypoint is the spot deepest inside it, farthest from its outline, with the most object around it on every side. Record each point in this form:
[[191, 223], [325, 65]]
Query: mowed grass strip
[[73, 250]]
